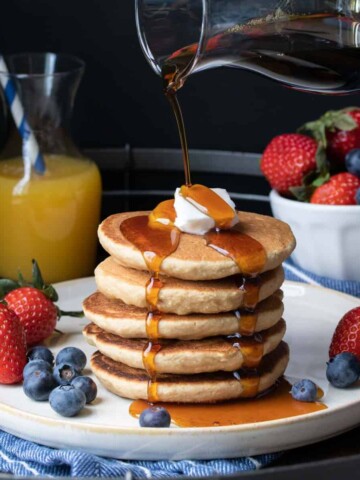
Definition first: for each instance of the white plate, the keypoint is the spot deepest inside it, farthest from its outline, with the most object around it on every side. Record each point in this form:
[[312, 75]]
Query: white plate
[[107, 429]]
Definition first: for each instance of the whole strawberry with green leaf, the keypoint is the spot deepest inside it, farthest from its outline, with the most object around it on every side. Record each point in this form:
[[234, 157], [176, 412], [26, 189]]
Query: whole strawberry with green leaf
[[341, 189], [294, 165], [34, 305], [338, 131]]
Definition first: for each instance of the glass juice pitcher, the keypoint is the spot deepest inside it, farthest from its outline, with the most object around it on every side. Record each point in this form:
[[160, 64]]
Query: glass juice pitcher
[[54, 217], [305, 44]]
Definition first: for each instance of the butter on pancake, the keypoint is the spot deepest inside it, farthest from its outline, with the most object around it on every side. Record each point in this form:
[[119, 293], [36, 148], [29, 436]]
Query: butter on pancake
[[193, 259], [190, 356], [198, 388], [114, 316], [180, 296]]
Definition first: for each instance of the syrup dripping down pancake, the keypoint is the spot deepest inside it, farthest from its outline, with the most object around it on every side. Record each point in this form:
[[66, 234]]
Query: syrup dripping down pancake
[[190, 356], [114, 316], [193, 259], [132, 383], [180, 296]]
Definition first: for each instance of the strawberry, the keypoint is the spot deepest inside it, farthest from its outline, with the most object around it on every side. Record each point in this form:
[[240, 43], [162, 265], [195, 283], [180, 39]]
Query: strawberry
[[340, 142], [12, 346], [287, 159], [37, 313], [338, 132], [346, 337], [339, 190], [34, 305]]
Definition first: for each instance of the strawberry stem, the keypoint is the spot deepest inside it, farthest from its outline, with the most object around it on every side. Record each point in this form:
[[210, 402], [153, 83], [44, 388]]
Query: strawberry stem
[[62, 313], [78, 314]]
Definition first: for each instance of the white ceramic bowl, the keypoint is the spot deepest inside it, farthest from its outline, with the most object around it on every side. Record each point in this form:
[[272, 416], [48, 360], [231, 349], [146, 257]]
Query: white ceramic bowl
[[328, 236]]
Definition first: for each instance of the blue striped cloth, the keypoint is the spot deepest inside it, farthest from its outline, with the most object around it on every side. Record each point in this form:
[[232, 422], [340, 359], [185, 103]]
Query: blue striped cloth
[[297, 274], [21, 457]]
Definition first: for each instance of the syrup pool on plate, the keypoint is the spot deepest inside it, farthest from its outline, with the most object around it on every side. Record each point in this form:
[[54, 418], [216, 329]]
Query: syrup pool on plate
[[274, 405]]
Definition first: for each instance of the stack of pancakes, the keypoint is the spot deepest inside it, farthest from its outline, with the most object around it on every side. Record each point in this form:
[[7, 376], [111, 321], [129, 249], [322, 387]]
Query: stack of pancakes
[[212, 345]]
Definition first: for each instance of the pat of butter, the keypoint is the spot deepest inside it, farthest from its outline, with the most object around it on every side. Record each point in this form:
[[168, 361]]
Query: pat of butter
[[190, 219]]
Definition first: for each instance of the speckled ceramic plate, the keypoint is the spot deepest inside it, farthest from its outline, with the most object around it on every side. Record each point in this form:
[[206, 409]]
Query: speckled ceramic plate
[[107, 429]]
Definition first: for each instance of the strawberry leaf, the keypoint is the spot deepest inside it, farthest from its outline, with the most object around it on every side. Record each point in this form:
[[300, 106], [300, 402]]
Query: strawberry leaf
[[316, 129], [21, 280], [321, 180], [322, 165], [330, 121], [302, 193], [37, 278], [350, 109], [38, 282], [310, 182], [51, 293], [6, 286], [345, 122]]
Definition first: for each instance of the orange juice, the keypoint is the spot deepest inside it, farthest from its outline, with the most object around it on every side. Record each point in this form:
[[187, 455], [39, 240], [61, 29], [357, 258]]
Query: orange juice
[[54, 220]]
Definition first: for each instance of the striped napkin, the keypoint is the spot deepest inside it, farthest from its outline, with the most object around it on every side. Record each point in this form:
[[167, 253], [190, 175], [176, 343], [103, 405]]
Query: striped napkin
[[297, 274], [20, 457]]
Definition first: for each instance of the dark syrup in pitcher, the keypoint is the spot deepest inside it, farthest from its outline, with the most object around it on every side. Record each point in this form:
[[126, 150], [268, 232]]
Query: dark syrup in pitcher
[[318, 53]]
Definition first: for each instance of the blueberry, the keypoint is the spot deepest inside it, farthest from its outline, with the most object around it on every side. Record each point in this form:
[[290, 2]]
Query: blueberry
[[87, 385], [41, 353], [343, 370], [352, 161], [36, 365], [357, 196], [64, 373], [38, 385], [305, 391], [73, 356], [67, 400], [155, 417]]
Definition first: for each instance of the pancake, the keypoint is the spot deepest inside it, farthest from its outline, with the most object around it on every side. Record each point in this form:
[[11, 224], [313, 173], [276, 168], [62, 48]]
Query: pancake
[[190, 356], [180, 296], [193, 259], [114, 316], [200, 388]]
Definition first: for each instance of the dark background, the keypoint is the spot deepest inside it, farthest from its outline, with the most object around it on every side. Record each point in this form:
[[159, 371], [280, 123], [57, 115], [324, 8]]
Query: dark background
[[120, 99]]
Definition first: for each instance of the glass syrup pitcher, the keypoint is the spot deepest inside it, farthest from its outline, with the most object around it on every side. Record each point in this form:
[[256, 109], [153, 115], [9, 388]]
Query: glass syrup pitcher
[[308, 45]]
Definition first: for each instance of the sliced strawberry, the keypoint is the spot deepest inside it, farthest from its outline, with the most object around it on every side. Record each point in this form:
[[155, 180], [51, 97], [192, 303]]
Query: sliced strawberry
[[12, 346]]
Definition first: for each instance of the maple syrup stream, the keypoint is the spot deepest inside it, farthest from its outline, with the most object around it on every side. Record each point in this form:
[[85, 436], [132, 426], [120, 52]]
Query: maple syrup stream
[[157, 241]]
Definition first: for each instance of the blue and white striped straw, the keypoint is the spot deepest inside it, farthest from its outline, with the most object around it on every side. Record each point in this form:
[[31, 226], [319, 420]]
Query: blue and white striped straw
[[31, 153]]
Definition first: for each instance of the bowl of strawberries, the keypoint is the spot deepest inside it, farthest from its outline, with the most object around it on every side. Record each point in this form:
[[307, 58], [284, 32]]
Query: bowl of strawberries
[[315, 180]]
